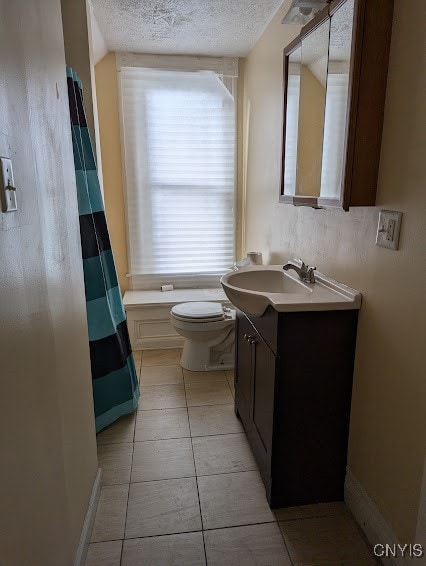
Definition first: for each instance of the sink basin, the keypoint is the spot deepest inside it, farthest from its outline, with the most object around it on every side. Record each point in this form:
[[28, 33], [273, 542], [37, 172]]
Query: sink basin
[[267, 281], [252, 289]]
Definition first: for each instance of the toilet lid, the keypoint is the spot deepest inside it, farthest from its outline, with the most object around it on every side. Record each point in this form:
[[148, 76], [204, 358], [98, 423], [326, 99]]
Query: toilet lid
[[199, 310]]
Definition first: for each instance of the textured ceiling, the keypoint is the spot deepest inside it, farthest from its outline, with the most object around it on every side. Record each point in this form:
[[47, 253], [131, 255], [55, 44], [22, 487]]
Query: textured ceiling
[[185, 27]]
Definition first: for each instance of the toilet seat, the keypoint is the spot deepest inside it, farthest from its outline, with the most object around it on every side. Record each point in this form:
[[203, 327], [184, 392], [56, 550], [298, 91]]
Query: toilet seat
[[201, 311]]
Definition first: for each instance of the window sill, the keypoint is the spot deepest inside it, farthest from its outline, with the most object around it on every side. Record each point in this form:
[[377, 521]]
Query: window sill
[[193, 281]]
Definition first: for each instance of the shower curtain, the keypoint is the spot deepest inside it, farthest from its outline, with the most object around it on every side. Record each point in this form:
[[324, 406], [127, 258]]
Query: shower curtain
[[114, 378]]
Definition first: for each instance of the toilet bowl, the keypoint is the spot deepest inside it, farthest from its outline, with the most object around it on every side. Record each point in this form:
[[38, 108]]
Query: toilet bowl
[[208, 329]]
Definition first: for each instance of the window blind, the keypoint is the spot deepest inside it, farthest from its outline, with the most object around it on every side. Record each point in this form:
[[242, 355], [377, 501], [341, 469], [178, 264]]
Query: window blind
[[179, 154]]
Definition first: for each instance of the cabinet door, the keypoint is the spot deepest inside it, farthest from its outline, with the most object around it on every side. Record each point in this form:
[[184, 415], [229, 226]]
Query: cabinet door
[[243, 370], [263, 395]]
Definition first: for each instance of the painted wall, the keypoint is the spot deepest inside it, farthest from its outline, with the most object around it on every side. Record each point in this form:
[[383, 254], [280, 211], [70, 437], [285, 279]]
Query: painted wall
[[79, 37], [388, 424], [109, 131], [47, 438], [76, 31]]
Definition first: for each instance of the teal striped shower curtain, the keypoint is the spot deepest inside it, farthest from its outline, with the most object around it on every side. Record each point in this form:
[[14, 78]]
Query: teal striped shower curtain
[[114, 378]]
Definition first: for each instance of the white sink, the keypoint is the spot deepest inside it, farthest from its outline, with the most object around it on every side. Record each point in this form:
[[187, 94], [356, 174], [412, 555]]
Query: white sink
[[252, 289]]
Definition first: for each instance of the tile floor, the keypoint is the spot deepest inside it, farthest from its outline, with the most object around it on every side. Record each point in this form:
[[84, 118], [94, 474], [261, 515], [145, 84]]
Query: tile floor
[[181, 486]]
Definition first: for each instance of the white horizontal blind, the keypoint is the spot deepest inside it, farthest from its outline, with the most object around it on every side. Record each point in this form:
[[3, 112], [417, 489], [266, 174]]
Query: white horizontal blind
[[179, 140]]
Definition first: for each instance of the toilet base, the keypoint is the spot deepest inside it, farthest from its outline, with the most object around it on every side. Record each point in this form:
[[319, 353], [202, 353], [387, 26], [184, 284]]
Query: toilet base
[[199, 356]]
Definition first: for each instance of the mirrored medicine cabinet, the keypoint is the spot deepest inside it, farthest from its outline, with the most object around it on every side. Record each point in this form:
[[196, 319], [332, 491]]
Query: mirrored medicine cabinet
[[335, 75]]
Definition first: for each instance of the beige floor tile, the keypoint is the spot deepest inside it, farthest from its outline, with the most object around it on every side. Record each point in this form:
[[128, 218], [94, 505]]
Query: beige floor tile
[[111, 513], [137, 358], [233, 499], [161, 375], [230, 379], [252, 545], [222, 454], [116, 462], [162, 459], [332, 540], [162, 397], [308, 511], [170, 550], [163, 507], [214, 419], [161, 357], [104, 553], [201, 376], [121, 430], [208, 393], [162, 424]]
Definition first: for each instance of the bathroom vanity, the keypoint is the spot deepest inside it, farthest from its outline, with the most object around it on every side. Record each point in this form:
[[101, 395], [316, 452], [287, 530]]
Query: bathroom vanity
[[293, 380]]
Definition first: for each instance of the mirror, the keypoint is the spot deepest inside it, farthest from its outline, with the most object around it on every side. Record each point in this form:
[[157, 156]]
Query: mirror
[[335, 75], [292, 119], [306, 71], [313, 80], [334, 143]]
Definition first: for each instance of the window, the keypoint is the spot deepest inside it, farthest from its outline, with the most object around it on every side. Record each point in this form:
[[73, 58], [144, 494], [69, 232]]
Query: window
[[179, 154]]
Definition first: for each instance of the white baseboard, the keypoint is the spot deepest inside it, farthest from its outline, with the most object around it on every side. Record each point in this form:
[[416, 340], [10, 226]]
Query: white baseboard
[[86, 531], [369, 518]]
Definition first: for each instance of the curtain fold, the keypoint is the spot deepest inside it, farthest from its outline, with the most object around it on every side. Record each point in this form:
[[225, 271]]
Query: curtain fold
[[114, 378]]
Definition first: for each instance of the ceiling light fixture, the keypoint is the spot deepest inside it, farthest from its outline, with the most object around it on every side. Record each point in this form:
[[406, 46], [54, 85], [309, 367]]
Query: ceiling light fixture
[[302, 11]]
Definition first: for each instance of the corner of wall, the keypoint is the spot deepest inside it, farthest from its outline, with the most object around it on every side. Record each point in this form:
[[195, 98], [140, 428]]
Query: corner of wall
[[112, 167]]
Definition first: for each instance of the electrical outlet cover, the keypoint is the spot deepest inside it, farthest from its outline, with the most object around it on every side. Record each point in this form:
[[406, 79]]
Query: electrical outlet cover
[[388, 229]]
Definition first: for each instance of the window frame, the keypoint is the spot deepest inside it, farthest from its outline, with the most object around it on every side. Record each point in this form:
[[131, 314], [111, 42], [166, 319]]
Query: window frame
[[227, 68]]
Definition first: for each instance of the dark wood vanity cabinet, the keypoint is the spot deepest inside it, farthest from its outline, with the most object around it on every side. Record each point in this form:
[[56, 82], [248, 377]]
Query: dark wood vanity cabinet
[[293, 384]]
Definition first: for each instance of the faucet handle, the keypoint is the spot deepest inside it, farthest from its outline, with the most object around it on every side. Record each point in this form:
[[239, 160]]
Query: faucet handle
[[310, 274]]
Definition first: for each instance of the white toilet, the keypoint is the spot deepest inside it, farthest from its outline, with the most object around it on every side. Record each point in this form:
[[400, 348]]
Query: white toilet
[[208, 329]]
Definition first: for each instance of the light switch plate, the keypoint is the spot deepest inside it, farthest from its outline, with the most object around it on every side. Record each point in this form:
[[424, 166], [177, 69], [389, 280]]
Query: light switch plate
[[8, 195], [388, 229]]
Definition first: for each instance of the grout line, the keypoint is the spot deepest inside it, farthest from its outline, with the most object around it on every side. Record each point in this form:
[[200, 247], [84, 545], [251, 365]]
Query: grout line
[[128, 494], [196, 476], [284, 542], [180, 438], [121, 553], [187, 532], [164, 479], [190, 407], [196, 479], [291, 519], [183, 406], [204, 545], [217, 434]]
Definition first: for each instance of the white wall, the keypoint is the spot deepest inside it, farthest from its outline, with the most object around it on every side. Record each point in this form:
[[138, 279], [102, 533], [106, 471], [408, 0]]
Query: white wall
[[47, 436]]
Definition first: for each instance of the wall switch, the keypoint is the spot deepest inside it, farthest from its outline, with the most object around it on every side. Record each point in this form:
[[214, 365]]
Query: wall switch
[[388, 229], [7, 186]]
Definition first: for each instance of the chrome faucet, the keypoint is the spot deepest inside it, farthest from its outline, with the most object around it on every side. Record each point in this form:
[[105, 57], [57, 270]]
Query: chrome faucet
[[305, 273]]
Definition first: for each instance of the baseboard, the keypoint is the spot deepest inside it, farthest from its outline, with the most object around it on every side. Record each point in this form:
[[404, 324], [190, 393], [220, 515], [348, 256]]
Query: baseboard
[[86, 531], [369, 518]]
